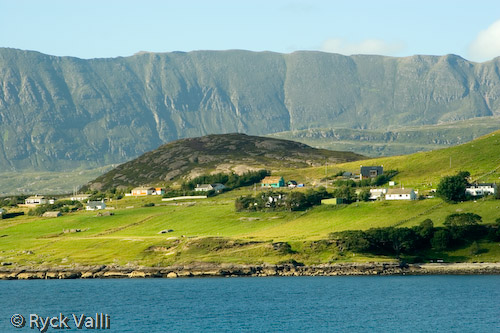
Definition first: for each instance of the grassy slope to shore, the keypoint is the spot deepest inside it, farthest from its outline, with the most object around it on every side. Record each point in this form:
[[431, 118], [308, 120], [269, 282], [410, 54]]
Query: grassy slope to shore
[[210, 230]]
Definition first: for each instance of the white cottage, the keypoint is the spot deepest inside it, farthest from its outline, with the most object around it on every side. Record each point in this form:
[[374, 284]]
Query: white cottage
[[95, 205], [400, 194], [217, 187], [80, 197], [377, 193], [481, 189], [36, 200]]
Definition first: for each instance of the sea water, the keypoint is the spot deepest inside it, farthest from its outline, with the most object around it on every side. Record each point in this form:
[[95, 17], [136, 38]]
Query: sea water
[[291, 304]]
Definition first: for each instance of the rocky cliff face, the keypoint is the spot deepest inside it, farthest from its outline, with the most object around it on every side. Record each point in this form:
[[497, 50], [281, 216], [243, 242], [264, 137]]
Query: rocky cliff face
[[59, 113]]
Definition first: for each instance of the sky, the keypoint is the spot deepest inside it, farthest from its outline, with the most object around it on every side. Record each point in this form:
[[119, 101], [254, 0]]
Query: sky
[[112, 28]]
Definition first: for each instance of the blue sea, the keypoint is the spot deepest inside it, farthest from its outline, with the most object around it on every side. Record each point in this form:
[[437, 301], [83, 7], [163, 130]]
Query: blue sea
[[291, 304]]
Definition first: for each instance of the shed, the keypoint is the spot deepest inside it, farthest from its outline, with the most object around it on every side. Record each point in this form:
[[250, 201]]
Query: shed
[[52, 214], [332, 201]]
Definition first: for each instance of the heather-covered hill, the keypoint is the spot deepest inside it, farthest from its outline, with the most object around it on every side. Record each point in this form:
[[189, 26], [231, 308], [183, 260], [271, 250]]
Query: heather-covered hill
[[224, 153]]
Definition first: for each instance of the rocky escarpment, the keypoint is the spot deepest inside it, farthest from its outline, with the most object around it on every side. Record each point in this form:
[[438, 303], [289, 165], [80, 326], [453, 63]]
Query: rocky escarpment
[[58, 113], [229, 270]]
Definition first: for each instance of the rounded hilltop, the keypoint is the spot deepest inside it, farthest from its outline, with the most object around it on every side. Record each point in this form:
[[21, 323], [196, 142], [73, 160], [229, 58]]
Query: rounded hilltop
[[233, 152]]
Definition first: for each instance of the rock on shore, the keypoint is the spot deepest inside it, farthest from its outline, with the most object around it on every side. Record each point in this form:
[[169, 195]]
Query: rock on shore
[[229, 270]]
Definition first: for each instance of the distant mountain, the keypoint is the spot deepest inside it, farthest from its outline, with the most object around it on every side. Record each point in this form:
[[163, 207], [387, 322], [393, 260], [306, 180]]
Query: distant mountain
[[60, 113], [220, 153], [403, 141]]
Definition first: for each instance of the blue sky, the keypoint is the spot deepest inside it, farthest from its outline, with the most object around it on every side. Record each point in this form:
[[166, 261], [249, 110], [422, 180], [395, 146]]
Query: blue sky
[[111, 28]]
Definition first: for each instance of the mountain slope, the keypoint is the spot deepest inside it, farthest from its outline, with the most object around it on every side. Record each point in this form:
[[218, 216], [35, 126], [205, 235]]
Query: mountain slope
[[223, 153], [59, 113], [403, 141]]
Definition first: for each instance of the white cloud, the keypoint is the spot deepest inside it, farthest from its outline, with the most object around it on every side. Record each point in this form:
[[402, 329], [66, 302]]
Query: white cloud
[[486, 46], [368, 46]]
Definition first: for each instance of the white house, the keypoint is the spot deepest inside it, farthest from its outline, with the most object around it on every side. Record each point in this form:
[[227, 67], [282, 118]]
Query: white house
[[35, 200], [159, 191], [400, 194], [377, 193], [95, 205], [209, 187], [481, 189], [143, 191], [80, 197]]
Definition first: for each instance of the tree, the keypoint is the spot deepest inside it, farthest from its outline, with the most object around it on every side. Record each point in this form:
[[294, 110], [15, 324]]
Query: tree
[[403, 240], [346, 193], [452, 188], [296, 201], [364, 195], [441, 240], [425, 229], [462, 220]]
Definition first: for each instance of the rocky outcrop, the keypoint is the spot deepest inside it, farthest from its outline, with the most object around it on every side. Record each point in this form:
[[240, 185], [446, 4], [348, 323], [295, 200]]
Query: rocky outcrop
[[228, 270], [63, 112]]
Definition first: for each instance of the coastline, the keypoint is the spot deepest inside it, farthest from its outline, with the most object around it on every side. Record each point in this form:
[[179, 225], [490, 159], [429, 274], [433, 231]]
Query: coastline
[[232, 270]]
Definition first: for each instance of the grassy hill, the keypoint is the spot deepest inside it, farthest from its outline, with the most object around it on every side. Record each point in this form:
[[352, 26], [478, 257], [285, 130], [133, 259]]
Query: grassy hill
[[423, 170], [480, 157], [210, 230], [216, 153]]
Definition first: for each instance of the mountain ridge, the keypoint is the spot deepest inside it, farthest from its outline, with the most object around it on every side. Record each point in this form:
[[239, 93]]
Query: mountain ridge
[[62, 113]]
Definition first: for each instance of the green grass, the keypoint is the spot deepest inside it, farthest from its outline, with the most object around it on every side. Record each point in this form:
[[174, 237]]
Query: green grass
[[128, 236], [480, 157], [201, 226]]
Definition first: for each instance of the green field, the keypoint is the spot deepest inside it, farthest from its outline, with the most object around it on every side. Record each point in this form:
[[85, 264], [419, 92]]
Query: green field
[[210, 230]]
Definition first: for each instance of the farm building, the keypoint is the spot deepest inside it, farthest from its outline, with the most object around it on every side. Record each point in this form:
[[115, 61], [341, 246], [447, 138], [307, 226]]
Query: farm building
[[400, 194], [217, 187], [332, 201], [36, 200], [273, 181], [481, 189], [80, 197], [52, 214], [95, 205], [377, 193], [371, 171]]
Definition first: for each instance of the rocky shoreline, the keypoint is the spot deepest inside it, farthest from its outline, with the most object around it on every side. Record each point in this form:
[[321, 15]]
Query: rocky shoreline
[[229, 270]]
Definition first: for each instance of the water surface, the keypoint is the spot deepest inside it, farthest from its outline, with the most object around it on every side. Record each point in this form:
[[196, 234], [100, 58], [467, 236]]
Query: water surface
[[314, 304]]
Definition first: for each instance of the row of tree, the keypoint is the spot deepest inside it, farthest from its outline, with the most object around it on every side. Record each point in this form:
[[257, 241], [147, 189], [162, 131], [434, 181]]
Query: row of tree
[[459, 230], [376, 181], [64, 206], [279, 200], [230, 181]]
